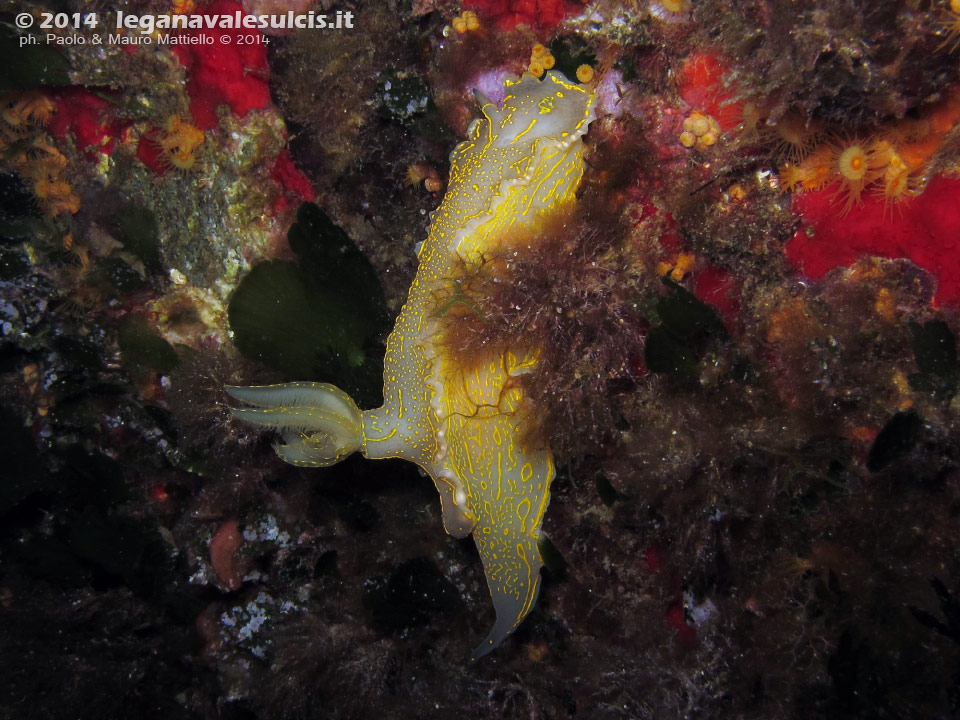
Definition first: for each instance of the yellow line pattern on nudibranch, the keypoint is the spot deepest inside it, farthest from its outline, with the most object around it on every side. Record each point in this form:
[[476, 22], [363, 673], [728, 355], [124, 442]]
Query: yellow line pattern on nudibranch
[[458, 418]]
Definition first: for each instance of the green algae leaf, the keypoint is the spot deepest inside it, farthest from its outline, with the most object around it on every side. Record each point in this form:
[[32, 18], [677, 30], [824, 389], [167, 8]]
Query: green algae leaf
[[628, 68], [553, 560], [688, 326], [136, 227], [142, 349], [607, 492], [317, 319], [666, 354], [569, 53], [685, 316], [895, 440], [302, 329], [332, 259], [30, 66], [278, 319]]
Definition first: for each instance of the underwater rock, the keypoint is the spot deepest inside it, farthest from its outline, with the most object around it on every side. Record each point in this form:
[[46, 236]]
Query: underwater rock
[[413, 595]]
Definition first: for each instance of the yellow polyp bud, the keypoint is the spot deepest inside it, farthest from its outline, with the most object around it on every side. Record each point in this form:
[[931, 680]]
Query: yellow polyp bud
[[697, 123], [885, 306], [460, 25], [473, 22], [955, 6], [895, 167], [585, 73], [535, 68], [880, 154], [901, 383], [538, 50], [897, 187], [683, 266], [737, 192], [708, 139], [31, 374], [548, 61], [688, 139], [183, 160]]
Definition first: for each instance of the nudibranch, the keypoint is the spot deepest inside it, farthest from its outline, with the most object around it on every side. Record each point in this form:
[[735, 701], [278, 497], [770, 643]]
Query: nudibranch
[[457, 417]]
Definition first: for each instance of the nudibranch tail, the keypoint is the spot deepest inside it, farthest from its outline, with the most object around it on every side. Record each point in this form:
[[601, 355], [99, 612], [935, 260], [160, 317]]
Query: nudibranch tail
[[507, 538], [319, 423], [512, 608]]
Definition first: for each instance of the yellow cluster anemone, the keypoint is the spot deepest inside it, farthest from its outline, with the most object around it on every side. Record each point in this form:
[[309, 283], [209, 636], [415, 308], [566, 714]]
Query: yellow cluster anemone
[[585, 73], [855, 163], [890, 161], [424, 173], [541, 60], [41, 165], [179, 143], [55, 194], [465, 22], [23, 110], [792, 136], [700, 131]]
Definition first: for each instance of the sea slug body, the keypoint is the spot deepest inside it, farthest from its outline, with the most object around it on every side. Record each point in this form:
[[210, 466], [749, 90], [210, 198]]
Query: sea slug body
[[458, 418]]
